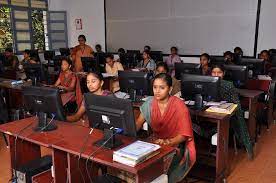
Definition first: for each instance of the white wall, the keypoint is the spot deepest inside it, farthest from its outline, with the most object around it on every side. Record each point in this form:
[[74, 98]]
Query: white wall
[[267, 29], [92, 14]]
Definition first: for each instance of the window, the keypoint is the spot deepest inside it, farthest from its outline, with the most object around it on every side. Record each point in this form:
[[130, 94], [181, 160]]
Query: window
[[5, 28], [23, 25]]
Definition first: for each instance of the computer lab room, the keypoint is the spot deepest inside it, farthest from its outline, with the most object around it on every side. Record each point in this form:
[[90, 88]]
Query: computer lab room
[[137, 91]]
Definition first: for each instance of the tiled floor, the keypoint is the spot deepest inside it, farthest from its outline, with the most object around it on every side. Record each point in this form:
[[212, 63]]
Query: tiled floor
[[261, 170]]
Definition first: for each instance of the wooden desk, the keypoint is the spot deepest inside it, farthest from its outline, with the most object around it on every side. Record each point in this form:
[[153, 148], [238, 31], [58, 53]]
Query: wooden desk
[[252, 95], [13, 93], [66, 143], [222, 122]]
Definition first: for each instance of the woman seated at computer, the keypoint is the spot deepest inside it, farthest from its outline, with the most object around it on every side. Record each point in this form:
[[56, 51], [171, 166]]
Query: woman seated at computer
[[147, 64], [68, 83], [20, 73], [162, 67], [170, 121], [94, 83], [172, 59], [112, 67], [229, 93], [82, 50], [204, 64]]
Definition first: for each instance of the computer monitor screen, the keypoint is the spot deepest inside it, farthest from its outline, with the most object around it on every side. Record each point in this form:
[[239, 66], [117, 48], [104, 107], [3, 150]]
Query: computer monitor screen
[[217, 60], [89, 64], [35, 72], [49, 55], [136, 54], [157, 56], [139, 82], [207, 86], [186, 68], [46, 102], [108, 112], [255, 66], [64, 51], [236, 73]]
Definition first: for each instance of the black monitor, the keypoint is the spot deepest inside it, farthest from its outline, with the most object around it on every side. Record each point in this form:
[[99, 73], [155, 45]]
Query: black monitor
[[217, 60], [134, 83], [157, 56], [199, 88], [89, 64], [100, 58], [57, 62], [186, 68], [35, 72], [135, 54], [49, 55], [236, 73], [35, 55], [107, 112], [255, 66], [273, 59], [131, 60], [64, 51], [47, 103]]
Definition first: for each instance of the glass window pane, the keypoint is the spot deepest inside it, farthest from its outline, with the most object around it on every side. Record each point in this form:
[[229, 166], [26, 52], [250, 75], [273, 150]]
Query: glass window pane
[[21, 15], [3, 1], [38, 4], [57, 26], [23, 46], [23, 36], [23, 3], [58, 36], [58, 45], [22, 25], [57, 16]]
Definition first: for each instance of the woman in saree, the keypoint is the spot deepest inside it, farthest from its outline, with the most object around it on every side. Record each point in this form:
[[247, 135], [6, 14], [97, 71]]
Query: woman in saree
[[170, 121], [82, 50], [68, 83]]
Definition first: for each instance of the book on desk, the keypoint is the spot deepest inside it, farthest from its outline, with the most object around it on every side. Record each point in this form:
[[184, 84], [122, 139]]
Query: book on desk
[[136, 153], [226, 108]]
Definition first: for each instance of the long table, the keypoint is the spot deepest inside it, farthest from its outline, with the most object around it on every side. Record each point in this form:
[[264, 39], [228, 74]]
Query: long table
[[66, 143]]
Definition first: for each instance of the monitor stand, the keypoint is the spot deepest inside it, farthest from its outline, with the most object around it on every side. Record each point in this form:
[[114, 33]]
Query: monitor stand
[[43, 124], [132, 94], [109, 141]]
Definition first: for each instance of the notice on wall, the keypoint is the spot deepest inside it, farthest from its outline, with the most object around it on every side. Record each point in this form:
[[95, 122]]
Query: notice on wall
[[78, 23]]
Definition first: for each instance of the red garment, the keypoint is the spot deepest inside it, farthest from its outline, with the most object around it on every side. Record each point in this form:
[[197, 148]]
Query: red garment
[[175, 121], [66, 82]]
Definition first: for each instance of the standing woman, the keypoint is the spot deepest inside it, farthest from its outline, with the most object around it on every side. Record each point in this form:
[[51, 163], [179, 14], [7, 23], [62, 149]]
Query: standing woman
[[172, 59], [204, 64], [229, 93], [82, 50], [170, 121]]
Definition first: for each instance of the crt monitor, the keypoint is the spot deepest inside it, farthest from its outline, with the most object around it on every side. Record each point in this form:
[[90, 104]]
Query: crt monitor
[[107, 112], [135, 53], [157, 56], [217, 60], [100, 58], [64, 51], [89, 64], [255, 66], [131, 60], [46, 102], [207, 87], [134, 83], [49, 55], [236, 73], [186, 68]]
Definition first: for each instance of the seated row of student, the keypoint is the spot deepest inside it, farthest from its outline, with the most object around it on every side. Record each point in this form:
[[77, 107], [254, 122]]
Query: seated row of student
[[172, 59], [147, 64], [112, 67], [170, 121], [81, 50], [94, 81], [229, 93], [162, 67]]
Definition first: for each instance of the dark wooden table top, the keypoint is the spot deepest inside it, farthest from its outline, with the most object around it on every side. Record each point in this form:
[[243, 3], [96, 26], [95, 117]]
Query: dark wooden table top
[[6, 83], [249, 93]]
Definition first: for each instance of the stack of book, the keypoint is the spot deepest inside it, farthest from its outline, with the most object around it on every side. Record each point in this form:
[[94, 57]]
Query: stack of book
[[226, 108], [136, 153]]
